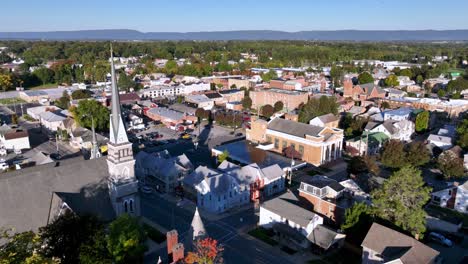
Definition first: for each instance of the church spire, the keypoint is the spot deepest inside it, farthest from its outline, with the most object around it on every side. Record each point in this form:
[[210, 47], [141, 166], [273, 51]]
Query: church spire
[[197, 229], [117, 129], [94, 147]]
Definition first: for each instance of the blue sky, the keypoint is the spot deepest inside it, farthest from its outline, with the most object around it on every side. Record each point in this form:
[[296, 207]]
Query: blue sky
[[215, 15]]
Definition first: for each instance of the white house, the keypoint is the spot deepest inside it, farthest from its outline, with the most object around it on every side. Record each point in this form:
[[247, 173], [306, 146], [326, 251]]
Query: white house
[[402, 113], [328, 120], [35, 112], [442, 142], [296, 226], [51, 121], [454, 197], [231, 185], [401, 130], [15, 139]]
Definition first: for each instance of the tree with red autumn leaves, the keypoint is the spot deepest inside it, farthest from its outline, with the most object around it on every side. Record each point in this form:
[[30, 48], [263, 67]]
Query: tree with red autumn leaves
[[206, 251]]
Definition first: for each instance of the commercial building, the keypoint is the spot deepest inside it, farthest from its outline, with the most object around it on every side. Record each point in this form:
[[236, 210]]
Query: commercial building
[[452, 107], [291, 99], [314, 144]]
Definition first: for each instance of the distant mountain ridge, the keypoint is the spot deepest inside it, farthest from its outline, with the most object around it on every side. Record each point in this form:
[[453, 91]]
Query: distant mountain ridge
[[335, 35]]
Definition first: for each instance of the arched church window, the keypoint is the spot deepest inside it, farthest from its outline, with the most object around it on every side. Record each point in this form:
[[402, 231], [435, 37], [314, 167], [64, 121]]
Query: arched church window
[[126, 206], [131, 205]]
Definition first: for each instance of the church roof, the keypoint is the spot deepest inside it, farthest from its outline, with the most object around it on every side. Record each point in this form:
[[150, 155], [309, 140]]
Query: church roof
[[27, 194], [197, 225]]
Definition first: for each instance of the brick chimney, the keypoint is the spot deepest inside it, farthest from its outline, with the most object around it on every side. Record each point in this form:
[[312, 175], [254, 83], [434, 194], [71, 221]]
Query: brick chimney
[[348, 88], [177, 252], [172, 240]]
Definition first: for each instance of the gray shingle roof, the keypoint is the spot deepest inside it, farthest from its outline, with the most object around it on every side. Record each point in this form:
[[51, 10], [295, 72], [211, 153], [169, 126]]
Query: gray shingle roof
[[273, 172], [287, 206], [294, 128], [322, 236], [328, 118], [392, 245], [26, 194]]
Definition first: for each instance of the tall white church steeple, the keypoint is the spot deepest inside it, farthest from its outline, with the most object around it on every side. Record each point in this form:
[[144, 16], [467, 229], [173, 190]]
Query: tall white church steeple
[[123, 185]]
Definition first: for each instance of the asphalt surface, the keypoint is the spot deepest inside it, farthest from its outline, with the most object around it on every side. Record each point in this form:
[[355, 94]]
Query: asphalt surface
[[237, 248]]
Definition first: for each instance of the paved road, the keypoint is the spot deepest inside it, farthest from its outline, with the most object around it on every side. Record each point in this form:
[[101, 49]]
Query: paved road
[[237, 248]]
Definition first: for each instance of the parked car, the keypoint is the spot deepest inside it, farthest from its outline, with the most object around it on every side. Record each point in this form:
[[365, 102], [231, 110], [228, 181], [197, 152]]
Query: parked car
[[4, 166], [239, 135], [436, 237]]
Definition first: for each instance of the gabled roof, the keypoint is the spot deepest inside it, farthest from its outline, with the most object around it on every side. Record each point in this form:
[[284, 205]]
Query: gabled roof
[[320, 181], [328, 118], [294, 128], [287, 206], [26, 194], [392, 245], [226, 166], [273, 172], [16, 134], [323, 236]]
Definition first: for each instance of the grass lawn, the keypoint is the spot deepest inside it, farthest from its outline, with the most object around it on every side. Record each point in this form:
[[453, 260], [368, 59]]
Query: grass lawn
[[8, 101], [154, 234], [44, 86], [264, 235]]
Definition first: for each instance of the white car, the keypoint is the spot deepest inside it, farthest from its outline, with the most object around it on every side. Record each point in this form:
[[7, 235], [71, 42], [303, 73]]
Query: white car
[[4, 166], [440, 239]]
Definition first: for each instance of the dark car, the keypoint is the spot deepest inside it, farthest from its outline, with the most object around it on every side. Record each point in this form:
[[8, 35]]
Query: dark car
[[239, 135]]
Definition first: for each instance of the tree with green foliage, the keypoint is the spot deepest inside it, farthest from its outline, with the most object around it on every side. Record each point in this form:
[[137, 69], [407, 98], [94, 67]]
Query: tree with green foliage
[[365, 77], [422, 121], [81, 94], [462, 132], [317, 107], [6, 82], [246, 103], [419, 79], [336, 73], [391, 81], [267, 111], [125, 82], [223, 156], [407, 72], [266, 77], [278, 106], [441, 92], [401, 198], [94, 251], [65, 235], [88, 108], [22, 248], [457, 85], [64, 101], [45, 75], [354, 214], [393, 154], [450, 165], [126, 240], [170, 67], [417, 154], [14, 119]]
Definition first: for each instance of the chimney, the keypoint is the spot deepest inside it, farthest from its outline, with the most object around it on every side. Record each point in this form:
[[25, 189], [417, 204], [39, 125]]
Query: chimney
[[172, 240], [177, 252]]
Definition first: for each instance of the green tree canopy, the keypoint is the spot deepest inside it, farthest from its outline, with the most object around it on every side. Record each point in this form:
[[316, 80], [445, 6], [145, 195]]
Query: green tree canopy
[[407, 72], [87, 108], [267, 111], [81, 94], [317, 107], [21, 248], [126, 239], [278, 106], [365, 77], [417, 154], [391, 81], [223, 156], [266, 77], [126, 82], [462, 132], [401, 198], [64, 101], [450, 165], [422, 121], [393, 154], [246, 103], [45, 75]]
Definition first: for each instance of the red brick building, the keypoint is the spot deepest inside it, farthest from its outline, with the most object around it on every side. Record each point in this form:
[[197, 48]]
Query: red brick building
[[290, 99], [362, 92]]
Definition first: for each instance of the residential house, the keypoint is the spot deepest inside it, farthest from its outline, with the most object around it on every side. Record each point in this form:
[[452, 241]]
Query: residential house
[[327, 197], [291, 99], [315, 145], [82, 138], [403, 113], [454, 197], [401, 130], [35, 112], [385, 245], [442, 142], [328, 120], [360, 145], [231, 185], [51, 121], [14, 139], [395, 93], [161, 170], [295, 226], [125, 98]]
